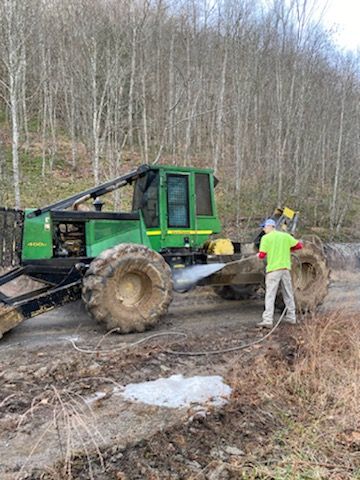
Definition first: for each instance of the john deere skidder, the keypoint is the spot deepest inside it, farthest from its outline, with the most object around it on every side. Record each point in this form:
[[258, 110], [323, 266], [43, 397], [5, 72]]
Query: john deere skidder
[[125, 265]]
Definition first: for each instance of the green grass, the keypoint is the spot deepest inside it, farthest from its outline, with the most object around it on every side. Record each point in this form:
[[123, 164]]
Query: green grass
[[33, 125], [3, 118], [37, 189]]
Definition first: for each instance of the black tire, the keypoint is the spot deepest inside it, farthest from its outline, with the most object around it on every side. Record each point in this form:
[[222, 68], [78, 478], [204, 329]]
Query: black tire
[[236, 292], [128, 288]]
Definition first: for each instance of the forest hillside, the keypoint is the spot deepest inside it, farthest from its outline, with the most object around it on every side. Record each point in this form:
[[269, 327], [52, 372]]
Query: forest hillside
[[90, 89]]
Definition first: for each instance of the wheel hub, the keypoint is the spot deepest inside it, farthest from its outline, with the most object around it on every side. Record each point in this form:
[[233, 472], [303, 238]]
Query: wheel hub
[[131, 288], [306, 276]]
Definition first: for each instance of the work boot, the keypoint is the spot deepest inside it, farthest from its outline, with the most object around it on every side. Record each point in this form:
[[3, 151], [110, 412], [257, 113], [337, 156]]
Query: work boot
[[264, 324], [292, 321]]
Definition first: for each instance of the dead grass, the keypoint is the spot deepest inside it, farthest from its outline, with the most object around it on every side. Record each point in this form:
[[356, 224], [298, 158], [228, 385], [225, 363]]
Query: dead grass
[[76, 434], [316, 396]]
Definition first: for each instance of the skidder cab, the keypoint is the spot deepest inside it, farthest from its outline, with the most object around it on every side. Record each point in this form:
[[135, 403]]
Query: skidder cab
[[124, 265], [172, 208]]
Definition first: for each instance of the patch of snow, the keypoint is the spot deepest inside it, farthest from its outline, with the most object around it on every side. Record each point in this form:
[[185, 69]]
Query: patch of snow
[[177, 391]]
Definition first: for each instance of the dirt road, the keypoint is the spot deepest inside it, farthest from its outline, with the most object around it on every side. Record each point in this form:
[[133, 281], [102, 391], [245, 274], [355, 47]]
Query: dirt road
[[50, 367], [195, 311]]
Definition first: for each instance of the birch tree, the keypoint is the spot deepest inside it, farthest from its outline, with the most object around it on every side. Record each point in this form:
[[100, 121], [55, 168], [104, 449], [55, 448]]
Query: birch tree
[[16, 23]]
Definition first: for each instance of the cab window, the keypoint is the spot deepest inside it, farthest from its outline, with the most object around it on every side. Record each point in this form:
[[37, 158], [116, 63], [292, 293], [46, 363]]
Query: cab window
[[178, 201], [203, 194], [146, 198]]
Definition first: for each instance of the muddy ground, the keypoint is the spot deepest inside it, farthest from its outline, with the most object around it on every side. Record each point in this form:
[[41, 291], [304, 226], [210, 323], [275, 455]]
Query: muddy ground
[[60, 418]]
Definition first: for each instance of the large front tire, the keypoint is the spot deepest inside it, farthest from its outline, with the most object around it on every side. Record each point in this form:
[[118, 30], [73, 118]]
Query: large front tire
[[128, 288]]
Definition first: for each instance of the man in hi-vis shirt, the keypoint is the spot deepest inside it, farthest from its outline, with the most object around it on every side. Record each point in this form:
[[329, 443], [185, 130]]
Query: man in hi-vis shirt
[[276, 247]]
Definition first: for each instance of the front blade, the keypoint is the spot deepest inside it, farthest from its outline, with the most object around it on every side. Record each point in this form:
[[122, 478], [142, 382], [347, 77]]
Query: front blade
[[10, 317]]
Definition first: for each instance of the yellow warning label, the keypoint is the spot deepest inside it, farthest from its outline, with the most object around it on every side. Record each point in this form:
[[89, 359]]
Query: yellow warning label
[[288, 213]]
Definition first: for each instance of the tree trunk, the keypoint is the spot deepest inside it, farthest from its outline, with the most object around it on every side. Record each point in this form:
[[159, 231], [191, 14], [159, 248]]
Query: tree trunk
[[219, 115], [333, 209]]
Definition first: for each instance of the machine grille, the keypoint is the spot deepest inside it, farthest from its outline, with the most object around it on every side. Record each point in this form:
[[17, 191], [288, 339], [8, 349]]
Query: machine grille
[[11, 231]]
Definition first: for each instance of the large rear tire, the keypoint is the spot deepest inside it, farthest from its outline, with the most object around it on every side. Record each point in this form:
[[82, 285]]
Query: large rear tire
[[310, 276], [128, 288]]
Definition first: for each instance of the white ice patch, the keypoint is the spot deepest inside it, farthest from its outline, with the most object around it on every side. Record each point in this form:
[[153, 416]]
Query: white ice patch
[[177, 391]]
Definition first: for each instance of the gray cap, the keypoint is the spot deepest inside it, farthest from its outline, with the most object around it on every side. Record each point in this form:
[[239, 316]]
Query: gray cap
[[270, 223]]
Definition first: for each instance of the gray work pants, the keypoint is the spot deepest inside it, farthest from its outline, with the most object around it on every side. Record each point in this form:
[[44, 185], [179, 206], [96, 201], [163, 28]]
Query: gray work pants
[[272, 280]]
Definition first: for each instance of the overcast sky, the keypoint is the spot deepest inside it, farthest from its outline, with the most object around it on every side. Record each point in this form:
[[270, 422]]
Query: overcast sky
[[345, 16]]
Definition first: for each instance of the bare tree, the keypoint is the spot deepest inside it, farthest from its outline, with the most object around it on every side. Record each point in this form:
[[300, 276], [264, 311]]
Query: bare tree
[[16, 24], [259, 93]]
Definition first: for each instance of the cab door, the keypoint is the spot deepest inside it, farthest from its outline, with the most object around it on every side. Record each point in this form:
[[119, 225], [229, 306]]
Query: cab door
[[190, 209]]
